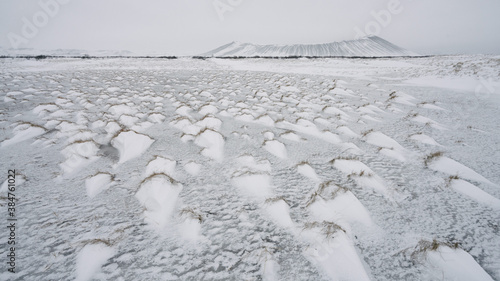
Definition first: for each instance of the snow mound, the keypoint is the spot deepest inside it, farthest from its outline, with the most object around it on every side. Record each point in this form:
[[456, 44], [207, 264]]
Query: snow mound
[[389, 146], [78, 155], [337, 257], [90, 259], [190, 227], [276, 148], [158, 194], [120, 109], [291, 136], [279, 212], [455, 264], [131, 145], [475, 193], [347, 132], [428, 121], [98, 183], [23, 132], [156, 118], [382, 140], [424, 139], [249, 162], [160, 165], [451, 167], [344, 207], [307, 171], [363, 175], [212, 143]]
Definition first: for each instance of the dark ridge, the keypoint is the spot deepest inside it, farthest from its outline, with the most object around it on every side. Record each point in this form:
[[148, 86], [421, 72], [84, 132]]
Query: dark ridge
[[315, 57], [41, 57]]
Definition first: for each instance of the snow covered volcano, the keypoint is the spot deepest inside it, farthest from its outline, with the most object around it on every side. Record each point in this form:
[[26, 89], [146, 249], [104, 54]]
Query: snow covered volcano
[[371, 46]]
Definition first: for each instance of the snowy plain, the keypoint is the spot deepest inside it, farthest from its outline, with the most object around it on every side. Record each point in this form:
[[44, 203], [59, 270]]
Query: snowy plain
[[253, 169]]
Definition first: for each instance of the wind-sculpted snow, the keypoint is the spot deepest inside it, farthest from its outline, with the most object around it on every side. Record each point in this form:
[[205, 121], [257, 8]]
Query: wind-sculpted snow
[[252, 169], [371, 46]]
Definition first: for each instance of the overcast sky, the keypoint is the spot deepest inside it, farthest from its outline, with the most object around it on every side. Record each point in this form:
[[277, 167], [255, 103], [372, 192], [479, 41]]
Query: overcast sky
[[188, 27]]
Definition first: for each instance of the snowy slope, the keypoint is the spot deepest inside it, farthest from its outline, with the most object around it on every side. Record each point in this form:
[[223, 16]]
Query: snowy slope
[[371, 46]]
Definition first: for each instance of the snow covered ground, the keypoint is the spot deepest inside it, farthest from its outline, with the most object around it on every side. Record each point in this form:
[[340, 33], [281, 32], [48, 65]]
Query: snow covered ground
[[320, 169]]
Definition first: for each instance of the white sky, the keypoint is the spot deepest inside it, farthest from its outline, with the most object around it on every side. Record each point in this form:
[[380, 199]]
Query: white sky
[[189, 27]]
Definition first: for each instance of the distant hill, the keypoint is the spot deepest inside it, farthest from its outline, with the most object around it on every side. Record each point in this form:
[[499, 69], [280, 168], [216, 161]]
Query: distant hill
[[371, 46], [62, 52]]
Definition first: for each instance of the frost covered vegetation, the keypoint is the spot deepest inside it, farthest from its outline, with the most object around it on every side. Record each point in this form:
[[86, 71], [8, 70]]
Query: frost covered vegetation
[[320, 169]]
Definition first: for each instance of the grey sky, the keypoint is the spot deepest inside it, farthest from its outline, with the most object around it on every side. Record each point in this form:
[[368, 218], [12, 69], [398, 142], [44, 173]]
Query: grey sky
[[186, 27]]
